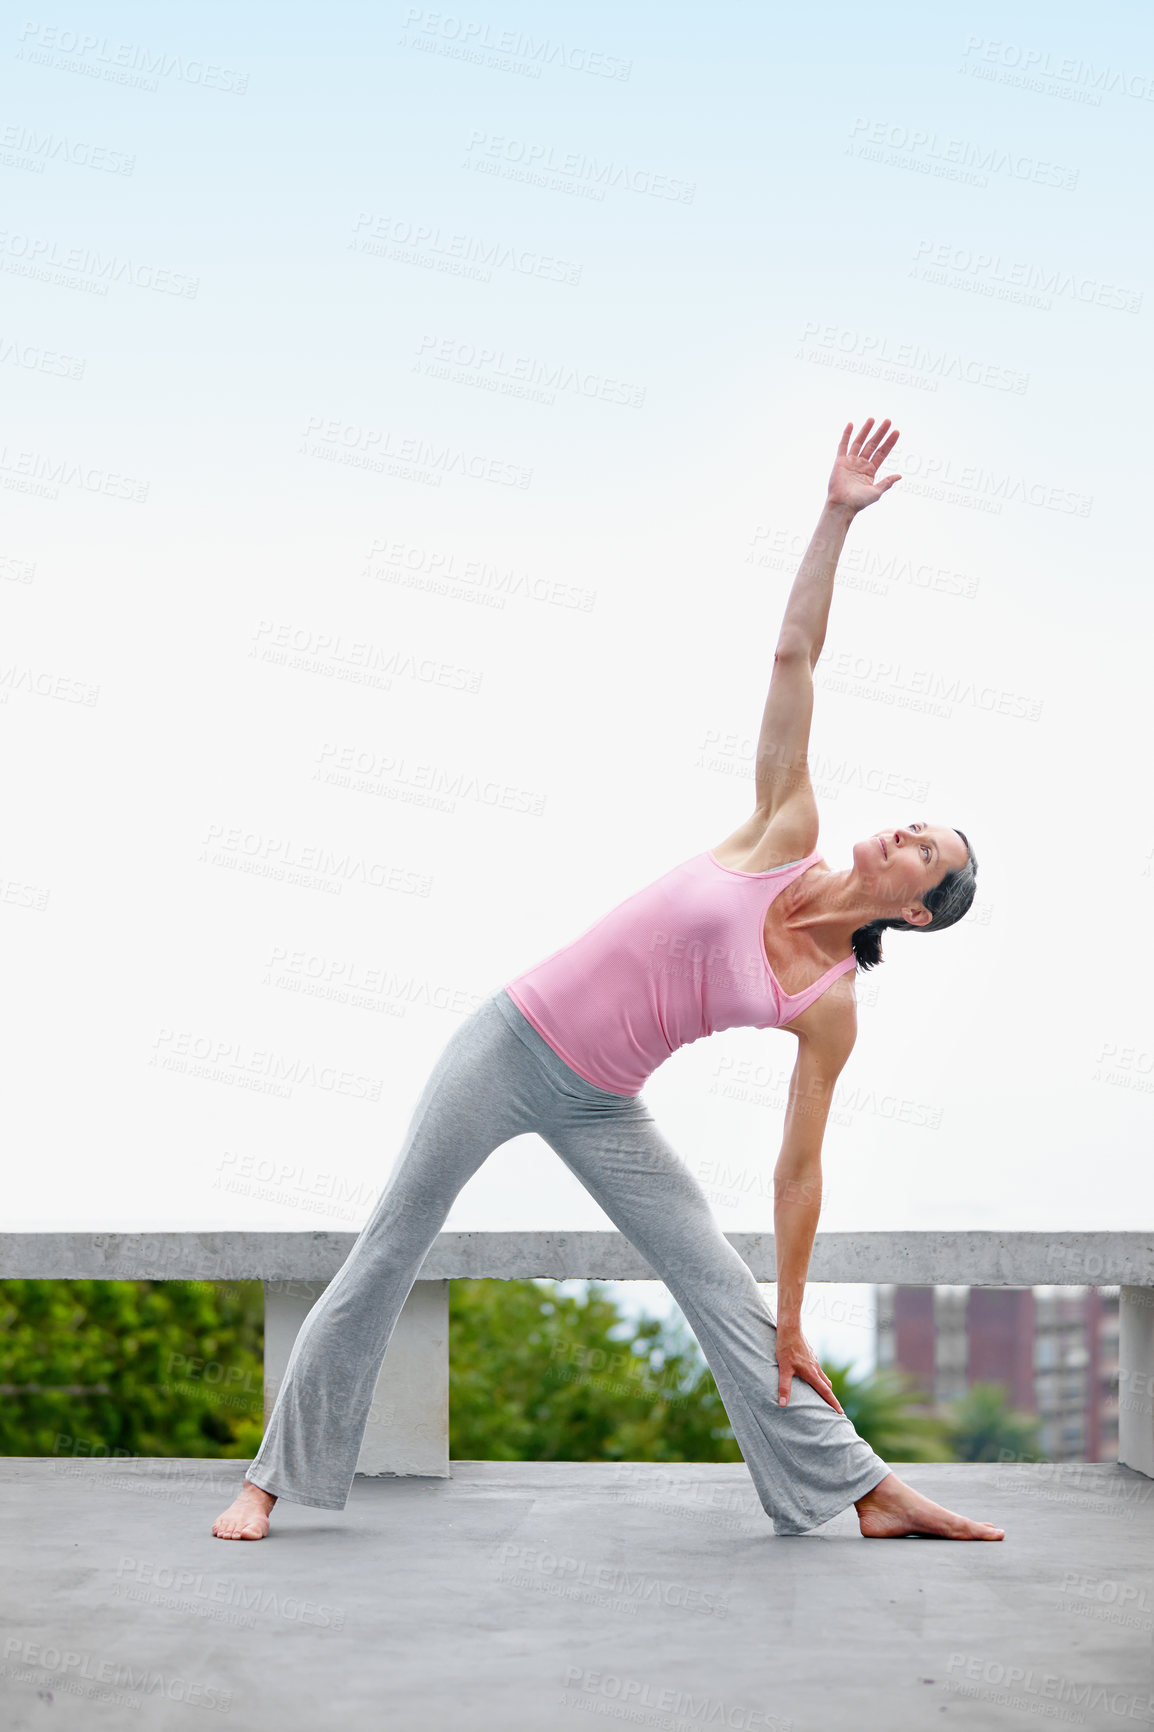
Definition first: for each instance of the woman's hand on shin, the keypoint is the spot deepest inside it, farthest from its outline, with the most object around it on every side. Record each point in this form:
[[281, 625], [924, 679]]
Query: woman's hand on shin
[[796, 1358]]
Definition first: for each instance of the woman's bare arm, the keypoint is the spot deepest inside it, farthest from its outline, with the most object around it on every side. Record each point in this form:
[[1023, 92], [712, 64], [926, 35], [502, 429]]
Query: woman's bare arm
[[780, 773], [822, 1053]]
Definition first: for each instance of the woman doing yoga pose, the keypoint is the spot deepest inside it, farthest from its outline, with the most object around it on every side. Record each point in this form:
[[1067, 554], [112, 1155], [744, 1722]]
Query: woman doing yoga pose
[[757, 932]]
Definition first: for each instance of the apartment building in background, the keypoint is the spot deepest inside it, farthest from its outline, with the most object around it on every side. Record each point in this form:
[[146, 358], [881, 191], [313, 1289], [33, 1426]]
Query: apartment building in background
[[1054, 1348]]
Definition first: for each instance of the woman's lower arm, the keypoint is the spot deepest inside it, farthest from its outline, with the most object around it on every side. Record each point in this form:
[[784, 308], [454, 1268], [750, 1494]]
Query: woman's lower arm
[[806, 615], [796, 1208]]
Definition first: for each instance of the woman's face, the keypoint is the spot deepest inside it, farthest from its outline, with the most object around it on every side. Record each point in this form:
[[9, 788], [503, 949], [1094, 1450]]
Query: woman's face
[[899, 866]]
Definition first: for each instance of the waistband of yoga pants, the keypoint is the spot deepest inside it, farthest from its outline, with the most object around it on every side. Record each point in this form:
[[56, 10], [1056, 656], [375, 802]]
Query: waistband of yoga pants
[[550, 1059]]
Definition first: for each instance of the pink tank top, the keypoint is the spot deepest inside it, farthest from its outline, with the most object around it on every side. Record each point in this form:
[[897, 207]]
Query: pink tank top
[[682, 958]]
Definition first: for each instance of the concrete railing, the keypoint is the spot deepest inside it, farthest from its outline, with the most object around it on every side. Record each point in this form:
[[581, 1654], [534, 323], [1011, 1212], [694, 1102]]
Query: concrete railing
[[408, 1429]]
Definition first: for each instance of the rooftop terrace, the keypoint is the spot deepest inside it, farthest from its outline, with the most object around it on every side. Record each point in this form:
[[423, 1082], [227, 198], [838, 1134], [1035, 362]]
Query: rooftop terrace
[[524, 1597]]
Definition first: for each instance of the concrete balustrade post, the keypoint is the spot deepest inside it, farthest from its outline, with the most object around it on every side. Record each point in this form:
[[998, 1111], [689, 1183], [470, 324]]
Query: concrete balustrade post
[[1136, 1379], [408, 1428]]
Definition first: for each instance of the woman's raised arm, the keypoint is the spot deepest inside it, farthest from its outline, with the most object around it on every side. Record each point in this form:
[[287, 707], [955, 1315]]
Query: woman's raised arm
[[783, 744]]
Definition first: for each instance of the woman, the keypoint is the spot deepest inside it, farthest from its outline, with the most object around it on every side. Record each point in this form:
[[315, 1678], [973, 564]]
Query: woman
[[758, 932]]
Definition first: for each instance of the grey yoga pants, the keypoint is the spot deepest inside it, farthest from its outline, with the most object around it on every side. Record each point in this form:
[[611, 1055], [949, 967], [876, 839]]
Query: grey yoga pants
[[497, 1078]]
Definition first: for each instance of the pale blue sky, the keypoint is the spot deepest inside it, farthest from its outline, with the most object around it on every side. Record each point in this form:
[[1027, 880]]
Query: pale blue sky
[[335, 248]]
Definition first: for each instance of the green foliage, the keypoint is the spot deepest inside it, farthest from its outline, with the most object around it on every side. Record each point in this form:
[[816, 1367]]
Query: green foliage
[[131, 1367], [891, 1412], [175, 1368], [984, 1427], [537, 1375]]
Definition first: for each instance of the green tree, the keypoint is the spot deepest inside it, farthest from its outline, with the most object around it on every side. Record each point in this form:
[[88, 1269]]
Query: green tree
[[537, 1375], [131, 1367], [892, 1413], [984, 1427], [175, 1368]]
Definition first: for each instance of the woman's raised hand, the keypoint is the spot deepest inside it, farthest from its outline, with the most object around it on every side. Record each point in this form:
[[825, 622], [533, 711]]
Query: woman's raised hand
[[859, 457]]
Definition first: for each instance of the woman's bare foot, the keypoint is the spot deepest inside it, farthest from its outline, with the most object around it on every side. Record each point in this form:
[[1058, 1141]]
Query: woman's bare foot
[[246, 1518], [893, 1508]]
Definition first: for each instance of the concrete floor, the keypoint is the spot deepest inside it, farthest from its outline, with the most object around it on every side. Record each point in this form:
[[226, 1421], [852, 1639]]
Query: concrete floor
[[531, 1597]]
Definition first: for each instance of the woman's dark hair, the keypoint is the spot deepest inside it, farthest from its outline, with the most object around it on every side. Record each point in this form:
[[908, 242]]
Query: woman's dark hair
[[947, 902]]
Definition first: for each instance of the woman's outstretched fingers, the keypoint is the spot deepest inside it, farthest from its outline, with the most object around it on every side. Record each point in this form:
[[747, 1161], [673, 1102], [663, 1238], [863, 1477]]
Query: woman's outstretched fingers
[[855, 447], [879, 434], [852, 484], [879, 456]]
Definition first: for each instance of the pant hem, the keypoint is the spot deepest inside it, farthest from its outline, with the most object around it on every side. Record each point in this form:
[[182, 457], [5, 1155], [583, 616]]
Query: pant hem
[[846, 1500], [277, 1489]]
